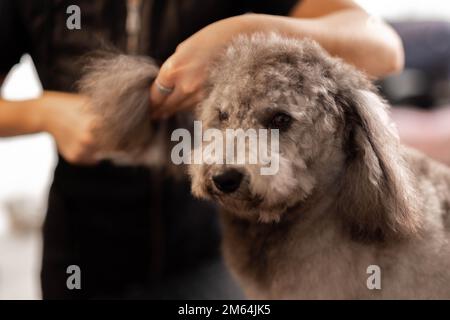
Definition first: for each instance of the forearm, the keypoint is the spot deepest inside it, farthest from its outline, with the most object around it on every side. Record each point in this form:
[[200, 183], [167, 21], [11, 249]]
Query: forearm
[[351, 34], [340, 26], [21, 117]]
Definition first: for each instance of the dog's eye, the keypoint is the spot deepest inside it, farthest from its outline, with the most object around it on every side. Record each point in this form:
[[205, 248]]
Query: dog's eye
[[223, 116], [280, 121]]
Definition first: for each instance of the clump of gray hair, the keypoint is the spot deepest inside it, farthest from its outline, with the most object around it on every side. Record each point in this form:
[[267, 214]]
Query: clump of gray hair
[[118, 88]]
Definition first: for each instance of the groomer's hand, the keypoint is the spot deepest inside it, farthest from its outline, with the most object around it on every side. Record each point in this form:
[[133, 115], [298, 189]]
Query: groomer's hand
[[179, 83], [65, 119]]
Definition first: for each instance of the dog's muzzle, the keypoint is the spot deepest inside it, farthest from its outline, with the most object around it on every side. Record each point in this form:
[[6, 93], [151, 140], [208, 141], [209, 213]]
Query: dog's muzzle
[[228, 181]]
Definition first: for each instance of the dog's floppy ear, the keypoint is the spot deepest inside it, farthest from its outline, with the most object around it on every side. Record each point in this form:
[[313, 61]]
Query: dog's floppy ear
[[376, 196]]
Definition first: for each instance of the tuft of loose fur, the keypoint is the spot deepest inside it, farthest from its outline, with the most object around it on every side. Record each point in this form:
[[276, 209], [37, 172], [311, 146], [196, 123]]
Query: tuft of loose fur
[[118, 88]]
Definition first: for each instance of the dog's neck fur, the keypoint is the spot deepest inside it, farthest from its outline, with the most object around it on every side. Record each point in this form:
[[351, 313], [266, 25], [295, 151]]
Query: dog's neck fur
[[312, 221], [261, 246]]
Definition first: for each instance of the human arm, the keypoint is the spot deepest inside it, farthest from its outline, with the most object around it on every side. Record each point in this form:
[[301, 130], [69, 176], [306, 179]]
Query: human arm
[[61, 115], [340, 26], [56, 113]]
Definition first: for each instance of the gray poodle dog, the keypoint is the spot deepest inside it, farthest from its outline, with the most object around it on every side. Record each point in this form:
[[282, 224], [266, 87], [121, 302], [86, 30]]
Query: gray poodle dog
[[350, 214]]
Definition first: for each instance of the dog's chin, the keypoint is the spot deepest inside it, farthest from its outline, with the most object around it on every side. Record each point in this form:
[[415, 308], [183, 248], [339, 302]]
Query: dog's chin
[[248, 207]]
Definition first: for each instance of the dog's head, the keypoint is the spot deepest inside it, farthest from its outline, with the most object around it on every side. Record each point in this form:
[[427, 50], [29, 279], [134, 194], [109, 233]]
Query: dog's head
[[333, 131]]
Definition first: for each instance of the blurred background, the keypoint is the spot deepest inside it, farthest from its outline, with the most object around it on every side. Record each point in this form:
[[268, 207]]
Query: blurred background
[[26, 163]]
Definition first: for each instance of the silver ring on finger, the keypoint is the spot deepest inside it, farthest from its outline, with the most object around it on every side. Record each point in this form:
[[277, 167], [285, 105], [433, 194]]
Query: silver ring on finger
[[163, 89]]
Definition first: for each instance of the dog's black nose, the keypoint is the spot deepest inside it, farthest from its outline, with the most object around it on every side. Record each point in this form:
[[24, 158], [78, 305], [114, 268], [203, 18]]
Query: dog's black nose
[[228, 181]]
